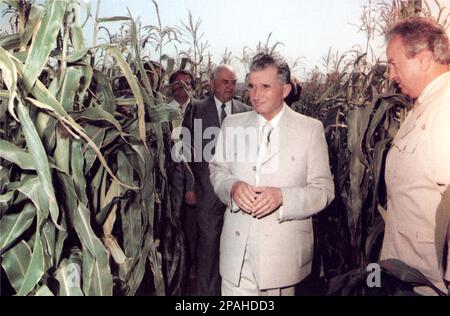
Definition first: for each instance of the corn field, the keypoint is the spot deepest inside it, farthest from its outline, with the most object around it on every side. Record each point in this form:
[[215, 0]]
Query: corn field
[[89, 197]]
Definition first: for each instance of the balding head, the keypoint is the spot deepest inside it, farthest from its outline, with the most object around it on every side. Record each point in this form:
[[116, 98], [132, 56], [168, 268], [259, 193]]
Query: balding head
[[223, 82]]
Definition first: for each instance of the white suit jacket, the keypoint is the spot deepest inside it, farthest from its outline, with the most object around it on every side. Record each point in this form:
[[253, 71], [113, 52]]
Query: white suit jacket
[[279, 245], [417, 173]]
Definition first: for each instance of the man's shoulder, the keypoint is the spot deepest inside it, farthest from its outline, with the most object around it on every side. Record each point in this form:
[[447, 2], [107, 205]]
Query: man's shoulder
[[201, 104], [241, 107], [304, 120], [195, 101], [239, 118]]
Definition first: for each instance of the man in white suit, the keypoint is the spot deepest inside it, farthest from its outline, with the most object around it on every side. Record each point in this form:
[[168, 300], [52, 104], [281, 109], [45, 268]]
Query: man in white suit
[[417, 165], [271, 169]]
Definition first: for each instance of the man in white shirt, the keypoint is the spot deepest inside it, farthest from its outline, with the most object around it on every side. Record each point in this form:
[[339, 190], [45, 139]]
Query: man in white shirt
[[271, 169], [418, 163]]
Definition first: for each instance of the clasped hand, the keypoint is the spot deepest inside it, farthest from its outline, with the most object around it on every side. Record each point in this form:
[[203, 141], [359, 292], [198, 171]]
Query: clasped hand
[[257, 201]]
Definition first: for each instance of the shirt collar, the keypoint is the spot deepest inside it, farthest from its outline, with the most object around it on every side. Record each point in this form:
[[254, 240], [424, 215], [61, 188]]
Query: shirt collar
[[219, 103], [180, 106], [437, 84], [274, 121]]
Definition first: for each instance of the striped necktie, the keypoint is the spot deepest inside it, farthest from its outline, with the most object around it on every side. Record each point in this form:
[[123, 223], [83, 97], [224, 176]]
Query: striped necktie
[[223, 114]]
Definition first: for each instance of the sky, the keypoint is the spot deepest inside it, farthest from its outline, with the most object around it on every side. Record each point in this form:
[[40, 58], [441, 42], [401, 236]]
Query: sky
[[307, 28]]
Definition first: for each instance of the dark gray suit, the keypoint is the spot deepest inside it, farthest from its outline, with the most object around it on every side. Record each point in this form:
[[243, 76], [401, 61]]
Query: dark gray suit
[[209, 208]]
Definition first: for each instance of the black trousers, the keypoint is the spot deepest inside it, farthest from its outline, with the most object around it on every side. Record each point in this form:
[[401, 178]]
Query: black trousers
[[210, 223], [190, 228]]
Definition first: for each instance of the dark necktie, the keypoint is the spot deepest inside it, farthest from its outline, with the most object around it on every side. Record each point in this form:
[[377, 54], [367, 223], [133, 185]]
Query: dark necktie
[[223, 114]]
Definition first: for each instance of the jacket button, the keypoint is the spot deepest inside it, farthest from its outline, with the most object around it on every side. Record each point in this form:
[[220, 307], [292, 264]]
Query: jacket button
[[237, 234]]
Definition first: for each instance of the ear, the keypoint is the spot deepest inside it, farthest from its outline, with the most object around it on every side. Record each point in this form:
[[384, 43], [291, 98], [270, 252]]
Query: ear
[[425, 59], [286, 90]]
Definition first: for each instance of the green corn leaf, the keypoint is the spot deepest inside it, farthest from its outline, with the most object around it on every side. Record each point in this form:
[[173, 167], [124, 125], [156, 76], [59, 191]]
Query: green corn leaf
[[43, 42], [159, 113], [111, 137], [86, 79], [380, 113], [407, 274], [76, 56], [77, 38], [49, 242], [97, 279], [130, 214], [41, 162], [155, 258], [107, 98], [44, 291], [15, 262], [30, 187], [96, 115], [16, 155], [62, 152], [9, 74], [13, 226], [125, 67], [80, 131], [13, 3], [97, 134], [76, 163], [34, 19], [69, 202], [5, 201], [69, 87], [10, 42], [35, 269]]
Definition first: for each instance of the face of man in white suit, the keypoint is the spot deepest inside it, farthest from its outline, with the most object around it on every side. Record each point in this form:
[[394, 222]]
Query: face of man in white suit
[[267, 92]]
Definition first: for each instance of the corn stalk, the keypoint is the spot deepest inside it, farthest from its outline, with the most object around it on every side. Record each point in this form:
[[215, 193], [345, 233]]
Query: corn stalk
[[82, 183]]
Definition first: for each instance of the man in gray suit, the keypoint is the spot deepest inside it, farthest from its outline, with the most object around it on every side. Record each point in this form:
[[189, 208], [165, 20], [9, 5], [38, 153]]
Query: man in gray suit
[[271, 169], [204, 124]]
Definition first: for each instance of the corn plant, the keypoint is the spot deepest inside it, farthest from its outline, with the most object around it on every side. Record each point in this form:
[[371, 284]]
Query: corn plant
[[85, 200]]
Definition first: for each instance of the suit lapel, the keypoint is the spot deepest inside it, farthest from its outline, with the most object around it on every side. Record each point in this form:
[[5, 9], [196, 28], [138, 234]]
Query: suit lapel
[[233, 107], [281, 140], [211, 113], [251, 123]]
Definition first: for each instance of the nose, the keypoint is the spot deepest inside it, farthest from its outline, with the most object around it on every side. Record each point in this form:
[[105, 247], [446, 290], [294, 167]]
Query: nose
[[256, 93], [392, 74]]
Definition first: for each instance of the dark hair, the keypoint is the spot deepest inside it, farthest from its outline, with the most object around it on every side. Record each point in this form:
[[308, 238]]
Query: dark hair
[[419, 34], [173, 77], [295, 93], [263, 60], [155, 73]]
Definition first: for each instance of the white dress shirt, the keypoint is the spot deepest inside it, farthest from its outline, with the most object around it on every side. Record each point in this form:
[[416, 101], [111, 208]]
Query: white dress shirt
[[181, 107], [228, 106]]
